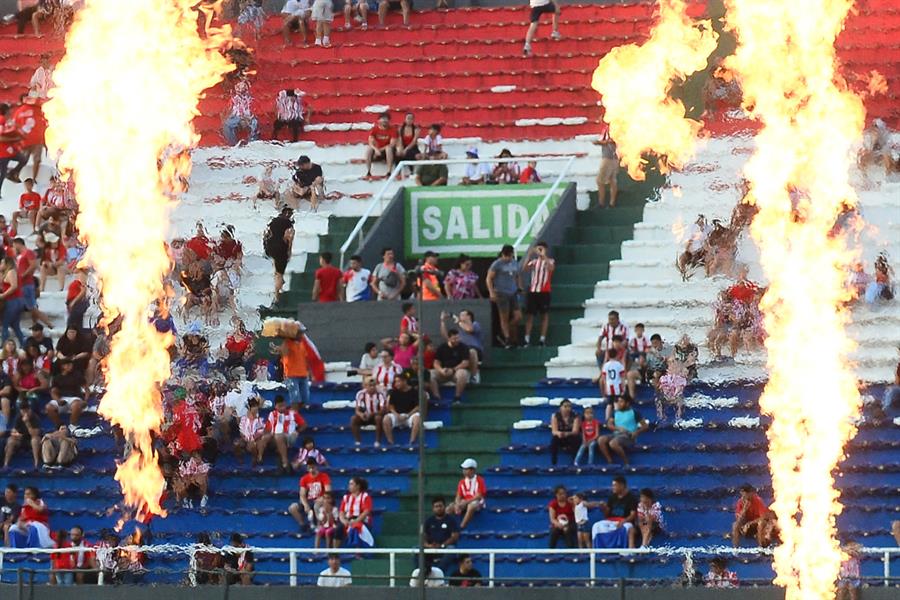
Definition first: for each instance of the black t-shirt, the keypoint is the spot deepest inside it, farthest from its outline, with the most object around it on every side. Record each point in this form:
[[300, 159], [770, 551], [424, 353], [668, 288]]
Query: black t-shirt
[[69, 385], [9, 513], [438, 531], [451, 357], [470, 579], [6, 381], [84, 342], [620, 508], [46, 344], [404, 402], [22, 424], [305, 177], [274, 236]]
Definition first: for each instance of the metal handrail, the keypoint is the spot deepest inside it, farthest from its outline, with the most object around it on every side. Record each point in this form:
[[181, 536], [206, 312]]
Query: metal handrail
[[491, 553], [378, 198]]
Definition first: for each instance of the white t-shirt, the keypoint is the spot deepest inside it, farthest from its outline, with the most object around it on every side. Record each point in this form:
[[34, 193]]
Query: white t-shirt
[[329, 579], [295, 7], [478, 170], [581, 513], [537, 3], [613, 375], [369, 363], [434, 579], [356, 284]]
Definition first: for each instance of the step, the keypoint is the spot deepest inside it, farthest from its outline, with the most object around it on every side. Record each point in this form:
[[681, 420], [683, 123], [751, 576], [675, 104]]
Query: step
[[586, 252], [581, 273], [600, 233]]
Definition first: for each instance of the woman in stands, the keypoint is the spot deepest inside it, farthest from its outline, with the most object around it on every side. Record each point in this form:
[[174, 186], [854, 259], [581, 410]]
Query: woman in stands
[[461, 283], [506, 172], [32, 531], [408, 141], [355, 511], [881, 287], [565, 427]]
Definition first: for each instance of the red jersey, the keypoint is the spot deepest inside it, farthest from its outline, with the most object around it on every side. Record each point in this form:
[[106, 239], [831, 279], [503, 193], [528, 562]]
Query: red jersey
[[757, 508], [409, 324], [63, 561], [237, 344], [469, 488], [30, 123], [74, 289], [29, 201], [639, 344], [370, 403], [567, 509], [315, 486], [328, 278], [200, 246], [287, 422], [30, 514], [590, 429], [743, 291], [384, 375], [383, 136], [23, 261], [8, 149], [608, 331], [353, 506], [16, 294]]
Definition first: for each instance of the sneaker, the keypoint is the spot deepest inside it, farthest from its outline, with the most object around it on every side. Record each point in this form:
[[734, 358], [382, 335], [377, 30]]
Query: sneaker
[[476, 378], [73, 429], [204, 501], [364, 26], [318, 42], [356, 443], [526, 50], [326, 42], [555, 36], [187, 503]]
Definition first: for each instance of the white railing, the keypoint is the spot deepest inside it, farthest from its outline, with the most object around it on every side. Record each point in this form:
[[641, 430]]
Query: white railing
[[393, 553], [378, 198]]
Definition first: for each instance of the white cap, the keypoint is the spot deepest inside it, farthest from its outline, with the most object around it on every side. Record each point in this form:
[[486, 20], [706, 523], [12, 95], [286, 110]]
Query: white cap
[[469, 463]]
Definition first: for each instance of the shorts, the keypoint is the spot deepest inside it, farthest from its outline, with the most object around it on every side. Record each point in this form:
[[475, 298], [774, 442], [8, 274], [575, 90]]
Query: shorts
[[402, 421], [381, 155], [584, 527], [443, 379], [625, 441], [281, 260], [609, 168], [507, 302], [369, 421], [537, 303], [64, 404], [29, 295], [537, 11], [322, 10], [636, 356]]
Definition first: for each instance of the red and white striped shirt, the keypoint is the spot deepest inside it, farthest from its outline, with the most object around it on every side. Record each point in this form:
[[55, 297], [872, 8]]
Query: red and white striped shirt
[[251, 427], [613, 374], [284, 422], [384, 375], [303, 455], [608, 331], [541, 273], [370, 403], [194, 466], [639, 344], [353, 506], [468, 488], [409, 324]]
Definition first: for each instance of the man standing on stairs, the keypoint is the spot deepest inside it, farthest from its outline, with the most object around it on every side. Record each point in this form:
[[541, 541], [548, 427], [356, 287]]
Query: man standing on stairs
[[26, 263], [609, 169], [503, 284], [537, 300], [538, 8], [278, 242]]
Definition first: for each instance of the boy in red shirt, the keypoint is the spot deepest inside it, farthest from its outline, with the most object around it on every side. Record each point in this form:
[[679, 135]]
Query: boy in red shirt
[[470, 493], [31, 125], [749, 513], [382, 139], [29, 204], [326, 288], [313, 486]]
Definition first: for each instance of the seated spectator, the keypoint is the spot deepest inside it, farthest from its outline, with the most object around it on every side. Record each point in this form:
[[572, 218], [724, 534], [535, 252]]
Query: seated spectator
[[355, 515], [615, 375], [62, 563], [197, 286], [335, 575], [29, 205], [382, 137], [25, 10], [40, 339], [476, 173], [686, 352], [434, 148], [254, 437], [565, 431], [562, 518], [529, 174], [389, 277], [9, 357], [670, 387], [650, 519], [24, 432], [207, 564], [85, 561], [849, 580], [882, 286], [313, 487], [239, 348], [626, 425], [470, 493], [385, 5], [308, 182], [620, 510], [355, 282], [356, 11], [750, 512], [53, 261], [461, 283], [369, 360], [432, 175], [434, 577], [386, 371], [9, 510], [719, 576], [327, 280], [369, 409], [230, 250], [32, 529], [402, 409], [441, 532], [453, 362], [469, 334], [308, 450], [297, 16], [193, 478], [327, 519], [239, 114], [68, 393], [59, 449], [694, 248], [239, 563], [638, 346], [407, 137], [284, 424], [590, 433], [30, 384], [269, 188], [465, 575], [505, 172]]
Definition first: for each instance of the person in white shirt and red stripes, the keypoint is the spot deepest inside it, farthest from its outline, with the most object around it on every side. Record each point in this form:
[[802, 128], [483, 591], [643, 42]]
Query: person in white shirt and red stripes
[[537, 301], [355, 510], [371, 405], [284, 424], [612, 328]]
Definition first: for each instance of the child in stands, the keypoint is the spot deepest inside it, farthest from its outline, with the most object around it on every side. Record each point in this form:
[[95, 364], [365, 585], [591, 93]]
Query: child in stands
[[326, 520], [638, 346], [29, 204], [612, 380], [590, 431]]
